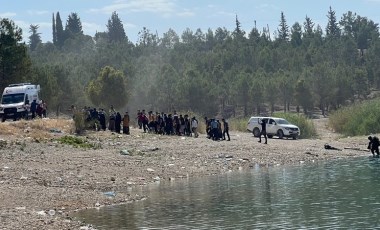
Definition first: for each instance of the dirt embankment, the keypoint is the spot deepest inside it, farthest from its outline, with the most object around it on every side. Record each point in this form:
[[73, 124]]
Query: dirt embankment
[[42, 180]]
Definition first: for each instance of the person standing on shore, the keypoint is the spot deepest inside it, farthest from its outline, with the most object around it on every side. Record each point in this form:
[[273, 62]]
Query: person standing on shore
[[208, 127], [33, 108], [225, 130], [214, 129], [102, 119], [263, 130], [194, 126], [118, 122], [373, 145], [44, 108], [139, 119], [126, 123]]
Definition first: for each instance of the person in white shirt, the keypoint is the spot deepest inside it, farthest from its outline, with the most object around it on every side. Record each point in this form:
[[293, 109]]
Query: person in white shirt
[[194, 126]]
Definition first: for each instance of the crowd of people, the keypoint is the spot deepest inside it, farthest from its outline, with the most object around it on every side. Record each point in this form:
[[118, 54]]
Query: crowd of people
[[215, 131], [97, 119], [167, 124], [154, 122]]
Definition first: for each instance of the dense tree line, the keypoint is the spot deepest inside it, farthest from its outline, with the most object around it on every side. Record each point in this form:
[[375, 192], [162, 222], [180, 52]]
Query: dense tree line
[[215, 71]]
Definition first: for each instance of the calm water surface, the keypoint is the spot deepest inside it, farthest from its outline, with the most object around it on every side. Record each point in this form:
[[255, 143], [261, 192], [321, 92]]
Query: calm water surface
[[342, 194]]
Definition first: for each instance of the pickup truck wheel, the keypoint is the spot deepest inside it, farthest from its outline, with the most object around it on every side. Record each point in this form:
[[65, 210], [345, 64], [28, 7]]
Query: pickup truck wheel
[[256, 132], [294, 137], [3, 118], [280, 134]]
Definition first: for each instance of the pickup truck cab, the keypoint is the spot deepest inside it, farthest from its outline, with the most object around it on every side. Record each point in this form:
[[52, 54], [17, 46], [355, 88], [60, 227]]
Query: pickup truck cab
[[274, 126]]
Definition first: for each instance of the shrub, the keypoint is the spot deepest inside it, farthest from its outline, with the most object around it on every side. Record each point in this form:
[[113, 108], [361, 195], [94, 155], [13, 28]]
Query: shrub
[[306, 125], [75, 141], [358, 119], [79, 122], [238, 124]]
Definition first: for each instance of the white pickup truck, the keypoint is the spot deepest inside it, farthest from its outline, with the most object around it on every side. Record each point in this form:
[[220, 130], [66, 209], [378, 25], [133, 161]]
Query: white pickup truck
[[274, 127], [16, 99]]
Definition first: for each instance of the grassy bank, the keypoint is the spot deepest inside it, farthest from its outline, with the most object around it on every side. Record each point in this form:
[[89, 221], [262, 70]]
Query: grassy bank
[[358, 119], [306, 125]]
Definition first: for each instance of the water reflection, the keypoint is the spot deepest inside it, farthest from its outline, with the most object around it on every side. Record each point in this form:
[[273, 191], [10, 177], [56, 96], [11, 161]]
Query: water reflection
[[340, 194]]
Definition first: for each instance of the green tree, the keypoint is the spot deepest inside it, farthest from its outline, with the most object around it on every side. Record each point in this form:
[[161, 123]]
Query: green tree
[[256, 92], [61, 36], [271, 94], [286, 88], [342, 86], [46, 78], [242, 89], [308, 28], [296, 37], [283, 29], [361, 82], [210, 39], [73, 25], [170, 39], [191, 91], [221, 34], [332, 28], [218, 86], [116, 32], [34, 38], [109, 88], [303, 95], [14, 61], [54, 31], [254, 35], [238, 32], [348, 23], [322, 80], [147, 39], [167, 80], [365, 31], [187, 36]]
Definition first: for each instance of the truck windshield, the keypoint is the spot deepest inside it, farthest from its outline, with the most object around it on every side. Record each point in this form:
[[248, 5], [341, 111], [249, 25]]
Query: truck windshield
[[283, 122], [13, 98]]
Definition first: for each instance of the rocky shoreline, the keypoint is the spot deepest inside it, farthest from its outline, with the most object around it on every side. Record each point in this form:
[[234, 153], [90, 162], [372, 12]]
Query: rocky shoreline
[[43, 181]]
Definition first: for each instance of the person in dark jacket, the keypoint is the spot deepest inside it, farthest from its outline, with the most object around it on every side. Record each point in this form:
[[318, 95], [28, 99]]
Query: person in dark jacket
[[102, 119], [111, 122], [33, 108], [126, 123], [225, 130], [117, 122], [373, 145], [263, 130]]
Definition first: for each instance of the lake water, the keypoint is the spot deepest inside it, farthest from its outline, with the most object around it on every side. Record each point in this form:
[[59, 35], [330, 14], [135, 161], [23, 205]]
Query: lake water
[[341, 194]]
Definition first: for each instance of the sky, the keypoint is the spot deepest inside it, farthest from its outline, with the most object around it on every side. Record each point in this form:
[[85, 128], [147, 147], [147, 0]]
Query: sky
[[160, 15]]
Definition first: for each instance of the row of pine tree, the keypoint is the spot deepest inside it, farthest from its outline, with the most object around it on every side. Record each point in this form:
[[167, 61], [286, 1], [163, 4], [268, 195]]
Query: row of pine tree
[[218, 71]]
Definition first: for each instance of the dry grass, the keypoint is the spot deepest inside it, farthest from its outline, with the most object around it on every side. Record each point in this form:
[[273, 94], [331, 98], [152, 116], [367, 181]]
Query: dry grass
[[37, 129]]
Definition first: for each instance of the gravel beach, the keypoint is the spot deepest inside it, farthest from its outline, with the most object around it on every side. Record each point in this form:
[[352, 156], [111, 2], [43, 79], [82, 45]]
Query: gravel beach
[[42, 180]]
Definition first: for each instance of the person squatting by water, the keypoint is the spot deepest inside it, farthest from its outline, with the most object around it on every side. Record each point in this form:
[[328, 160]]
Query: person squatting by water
[[263, 130], [373, 145]]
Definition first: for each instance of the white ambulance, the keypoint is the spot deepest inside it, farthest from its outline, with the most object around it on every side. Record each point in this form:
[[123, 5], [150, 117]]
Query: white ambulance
[[16, 100]]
